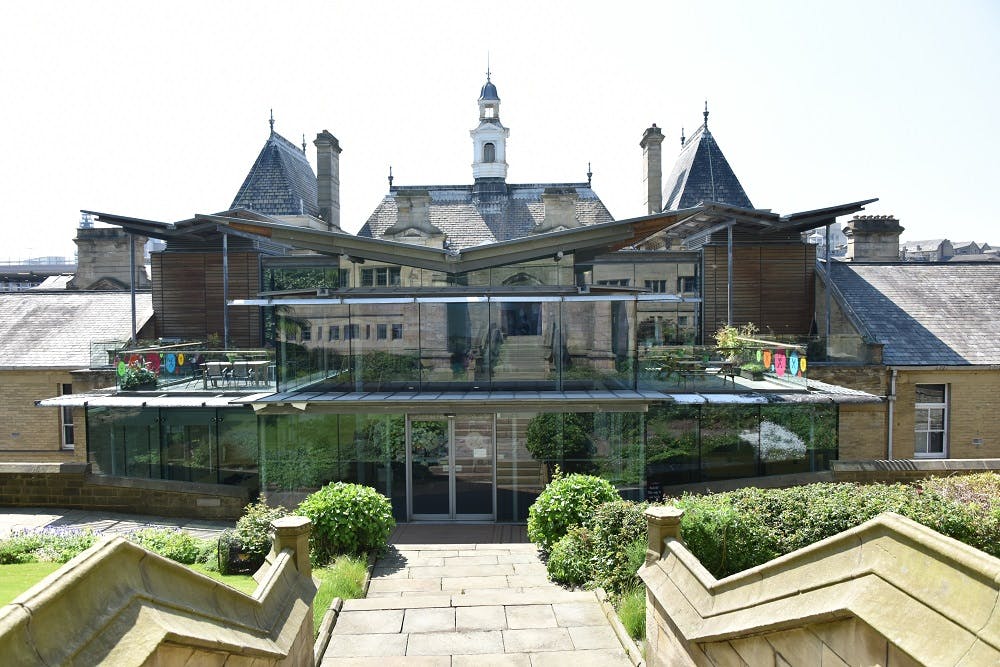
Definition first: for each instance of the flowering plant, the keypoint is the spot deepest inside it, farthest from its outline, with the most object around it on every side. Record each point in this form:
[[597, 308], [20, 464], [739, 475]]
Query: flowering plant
[[136, 375]]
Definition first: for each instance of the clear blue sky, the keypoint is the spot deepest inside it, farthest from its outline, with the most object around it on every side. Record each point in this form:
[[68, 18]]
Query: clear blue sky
[[158, 110]]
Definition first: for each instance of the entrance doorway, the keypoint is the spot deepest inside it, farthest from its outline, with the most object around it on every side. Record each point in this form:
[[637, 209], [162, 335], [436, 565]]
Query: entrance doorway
[[450, 468]]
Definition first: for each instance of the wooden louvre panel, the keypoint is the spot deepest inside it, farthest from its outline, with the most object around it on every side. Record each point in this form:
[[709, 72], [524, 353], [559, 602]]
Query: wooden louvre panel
[[188, 296]]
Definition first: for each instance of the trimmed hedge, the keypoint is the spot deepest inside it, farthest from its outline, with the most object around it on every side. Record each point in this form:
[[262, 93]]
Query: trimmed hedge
[[733, 531]]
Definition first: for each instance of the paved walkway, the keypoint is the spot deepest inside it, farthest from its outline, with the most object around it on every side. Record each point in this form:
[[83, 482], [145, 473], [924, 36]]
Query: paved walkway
[[448, 603], [111, 523]]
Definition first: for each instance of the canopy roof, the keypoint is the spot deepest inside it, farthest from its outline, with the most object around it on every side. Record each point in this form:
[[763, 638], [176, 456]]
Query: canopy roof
[[587, 242]]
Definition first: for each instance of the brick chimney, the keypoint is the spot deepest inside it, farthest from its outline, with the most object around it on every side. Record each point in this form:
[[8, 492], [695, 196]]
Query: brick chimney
[[102, 260], [328, 178], [873, 238], [652, 168]]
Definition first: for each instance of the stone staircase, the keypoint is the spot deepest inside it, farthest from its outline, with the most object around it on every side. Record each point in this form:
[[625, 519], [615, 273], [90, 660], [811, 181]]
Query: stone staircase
[[522, 358]]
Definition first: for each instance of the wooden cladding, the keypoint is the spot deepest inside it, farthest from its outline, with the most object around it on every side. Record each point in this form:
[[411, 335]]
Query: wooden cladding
[[773, 287], [187, 296]]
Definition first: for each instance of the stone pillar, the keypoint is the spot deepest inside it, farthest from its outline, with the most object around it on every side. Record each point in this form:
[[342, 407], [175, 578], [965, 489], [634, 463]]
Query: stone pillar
[[292, 532], [652, 168], [662, 521], [328, 178]]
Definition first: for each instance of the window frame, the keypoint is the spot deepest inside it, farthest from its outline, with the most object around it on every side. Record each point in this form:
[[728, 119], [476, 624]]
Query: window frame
[[67, 424], [926, 428]]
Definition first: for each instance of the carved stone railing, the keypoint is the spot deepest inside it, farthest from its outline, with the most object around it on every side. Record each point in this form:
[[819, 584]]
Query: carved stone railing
[[117, 603], [889, 592]]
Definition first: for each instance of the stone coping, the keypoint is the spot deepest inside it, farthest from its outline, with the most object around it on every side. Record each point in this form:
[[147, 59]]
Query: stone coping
[[920, 465], [933, 597]]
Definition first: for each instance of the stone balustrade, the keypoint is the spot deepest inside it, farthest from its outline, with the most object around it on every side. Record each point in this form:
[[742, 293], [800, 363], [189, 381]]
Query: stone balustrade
[[889, 592], [117, 603]]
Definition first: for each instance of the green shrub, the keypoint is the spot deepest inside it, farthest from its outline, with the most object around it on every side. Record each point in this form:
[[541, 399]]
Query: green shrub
[[730, 532], [169, 543], [55, 545], [566, 501], [347, 519], [570, 560], [253, 529], [615, 527]]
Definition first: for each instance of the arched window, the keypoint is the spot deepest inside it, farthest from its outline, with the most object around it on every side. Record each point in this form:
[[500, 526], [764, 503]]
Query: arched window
[[489, 153]]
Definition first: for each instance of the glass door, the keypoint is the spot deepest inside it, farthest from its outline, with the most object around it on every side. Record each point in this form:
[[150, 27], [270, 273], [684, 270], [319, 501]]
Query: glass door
[[472, 455], [450, 468]]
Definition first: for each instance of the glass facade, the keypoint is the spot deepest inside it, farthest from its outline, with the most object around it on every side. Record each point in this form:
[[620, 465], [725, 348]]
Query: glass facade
[[546, 343], [214, 446], [455, 466]]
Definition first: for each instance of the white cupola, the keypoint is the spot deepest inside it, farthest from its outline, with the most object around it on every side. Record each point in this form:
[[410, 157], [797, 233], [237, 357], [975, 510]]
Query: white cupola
[[489, 139]]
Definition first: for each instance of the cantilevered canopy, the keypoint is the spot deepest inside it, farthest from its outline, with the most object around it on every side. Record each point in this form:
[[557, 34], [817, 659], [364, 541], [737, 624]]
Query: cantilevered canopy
[[586, 242]]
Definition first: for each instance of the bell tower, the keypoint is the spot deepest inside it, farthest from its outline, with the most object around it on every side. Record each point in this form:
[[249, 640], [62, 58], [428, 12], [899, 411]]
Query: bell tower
[[489, 139]]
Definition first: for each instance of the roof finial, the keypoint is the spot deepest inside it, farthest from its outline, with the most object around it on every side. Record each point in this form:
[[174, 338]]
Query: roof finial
[[272, 121], [590, 174], [390, 176], [487, 66], [682, 137], [303, 142], [706, 114]]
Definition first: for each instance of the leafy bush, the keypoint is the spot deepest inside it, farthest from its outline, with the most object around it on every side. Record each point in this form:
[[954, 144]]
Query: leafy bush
[[615, 526], [566, 501], [55, 545], [347, 519], [169, 543], [253, 529], [570, 560], [730, 532]]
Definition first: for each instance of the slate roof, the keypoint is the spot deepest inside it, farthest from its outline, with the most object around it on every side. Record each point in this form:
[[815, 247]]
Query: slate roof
[[281, 181], [925, 245], [55, 329], [702, 174], [468, 220], [926, 314]]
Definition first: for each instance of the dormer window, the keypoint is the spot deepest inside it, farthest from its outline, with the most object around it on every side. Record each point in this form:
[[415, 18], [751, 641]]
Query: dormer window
[[489, 153]]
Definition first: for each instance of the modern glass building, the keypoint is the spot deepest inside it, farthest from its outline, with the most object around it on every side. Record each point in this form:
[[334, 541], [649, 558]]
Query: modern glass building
[[471, 339]]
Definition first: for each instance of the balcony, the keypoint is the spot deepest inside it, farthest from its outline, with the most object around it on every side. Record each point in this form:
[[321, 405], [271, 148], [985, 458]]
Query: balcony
[[758, 365], [191, 367]]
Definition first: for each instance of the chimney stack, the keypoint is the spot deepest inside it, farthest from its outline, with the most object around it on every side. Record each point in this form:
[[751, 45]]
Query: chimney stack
[[873, 238], [328, 178], [652, 169], [102, 260]]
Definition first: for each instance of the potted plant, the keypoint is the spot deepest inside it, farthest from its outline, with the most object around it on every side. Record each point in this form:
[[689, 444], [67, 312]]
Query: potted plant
[[731, 341], [137, 377], [752, 371]]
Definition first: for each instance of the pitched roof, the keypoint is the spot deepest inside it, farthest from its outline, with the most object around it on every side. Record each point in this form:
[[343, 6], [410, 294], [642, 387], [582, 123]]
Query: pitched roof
[[281, 181], [56, 329], [926, 314], [702, 174], [469, 219]]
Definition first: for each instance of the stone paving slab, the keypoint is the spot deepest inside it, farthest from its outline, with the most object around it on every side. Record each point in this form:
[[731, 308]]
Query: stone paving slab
[[435, 619], [401, 660], [360, 646], [537, 639], [380, 621], [411, 602], [450, 643], [492, 660], [599, 658], [523, 616]]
